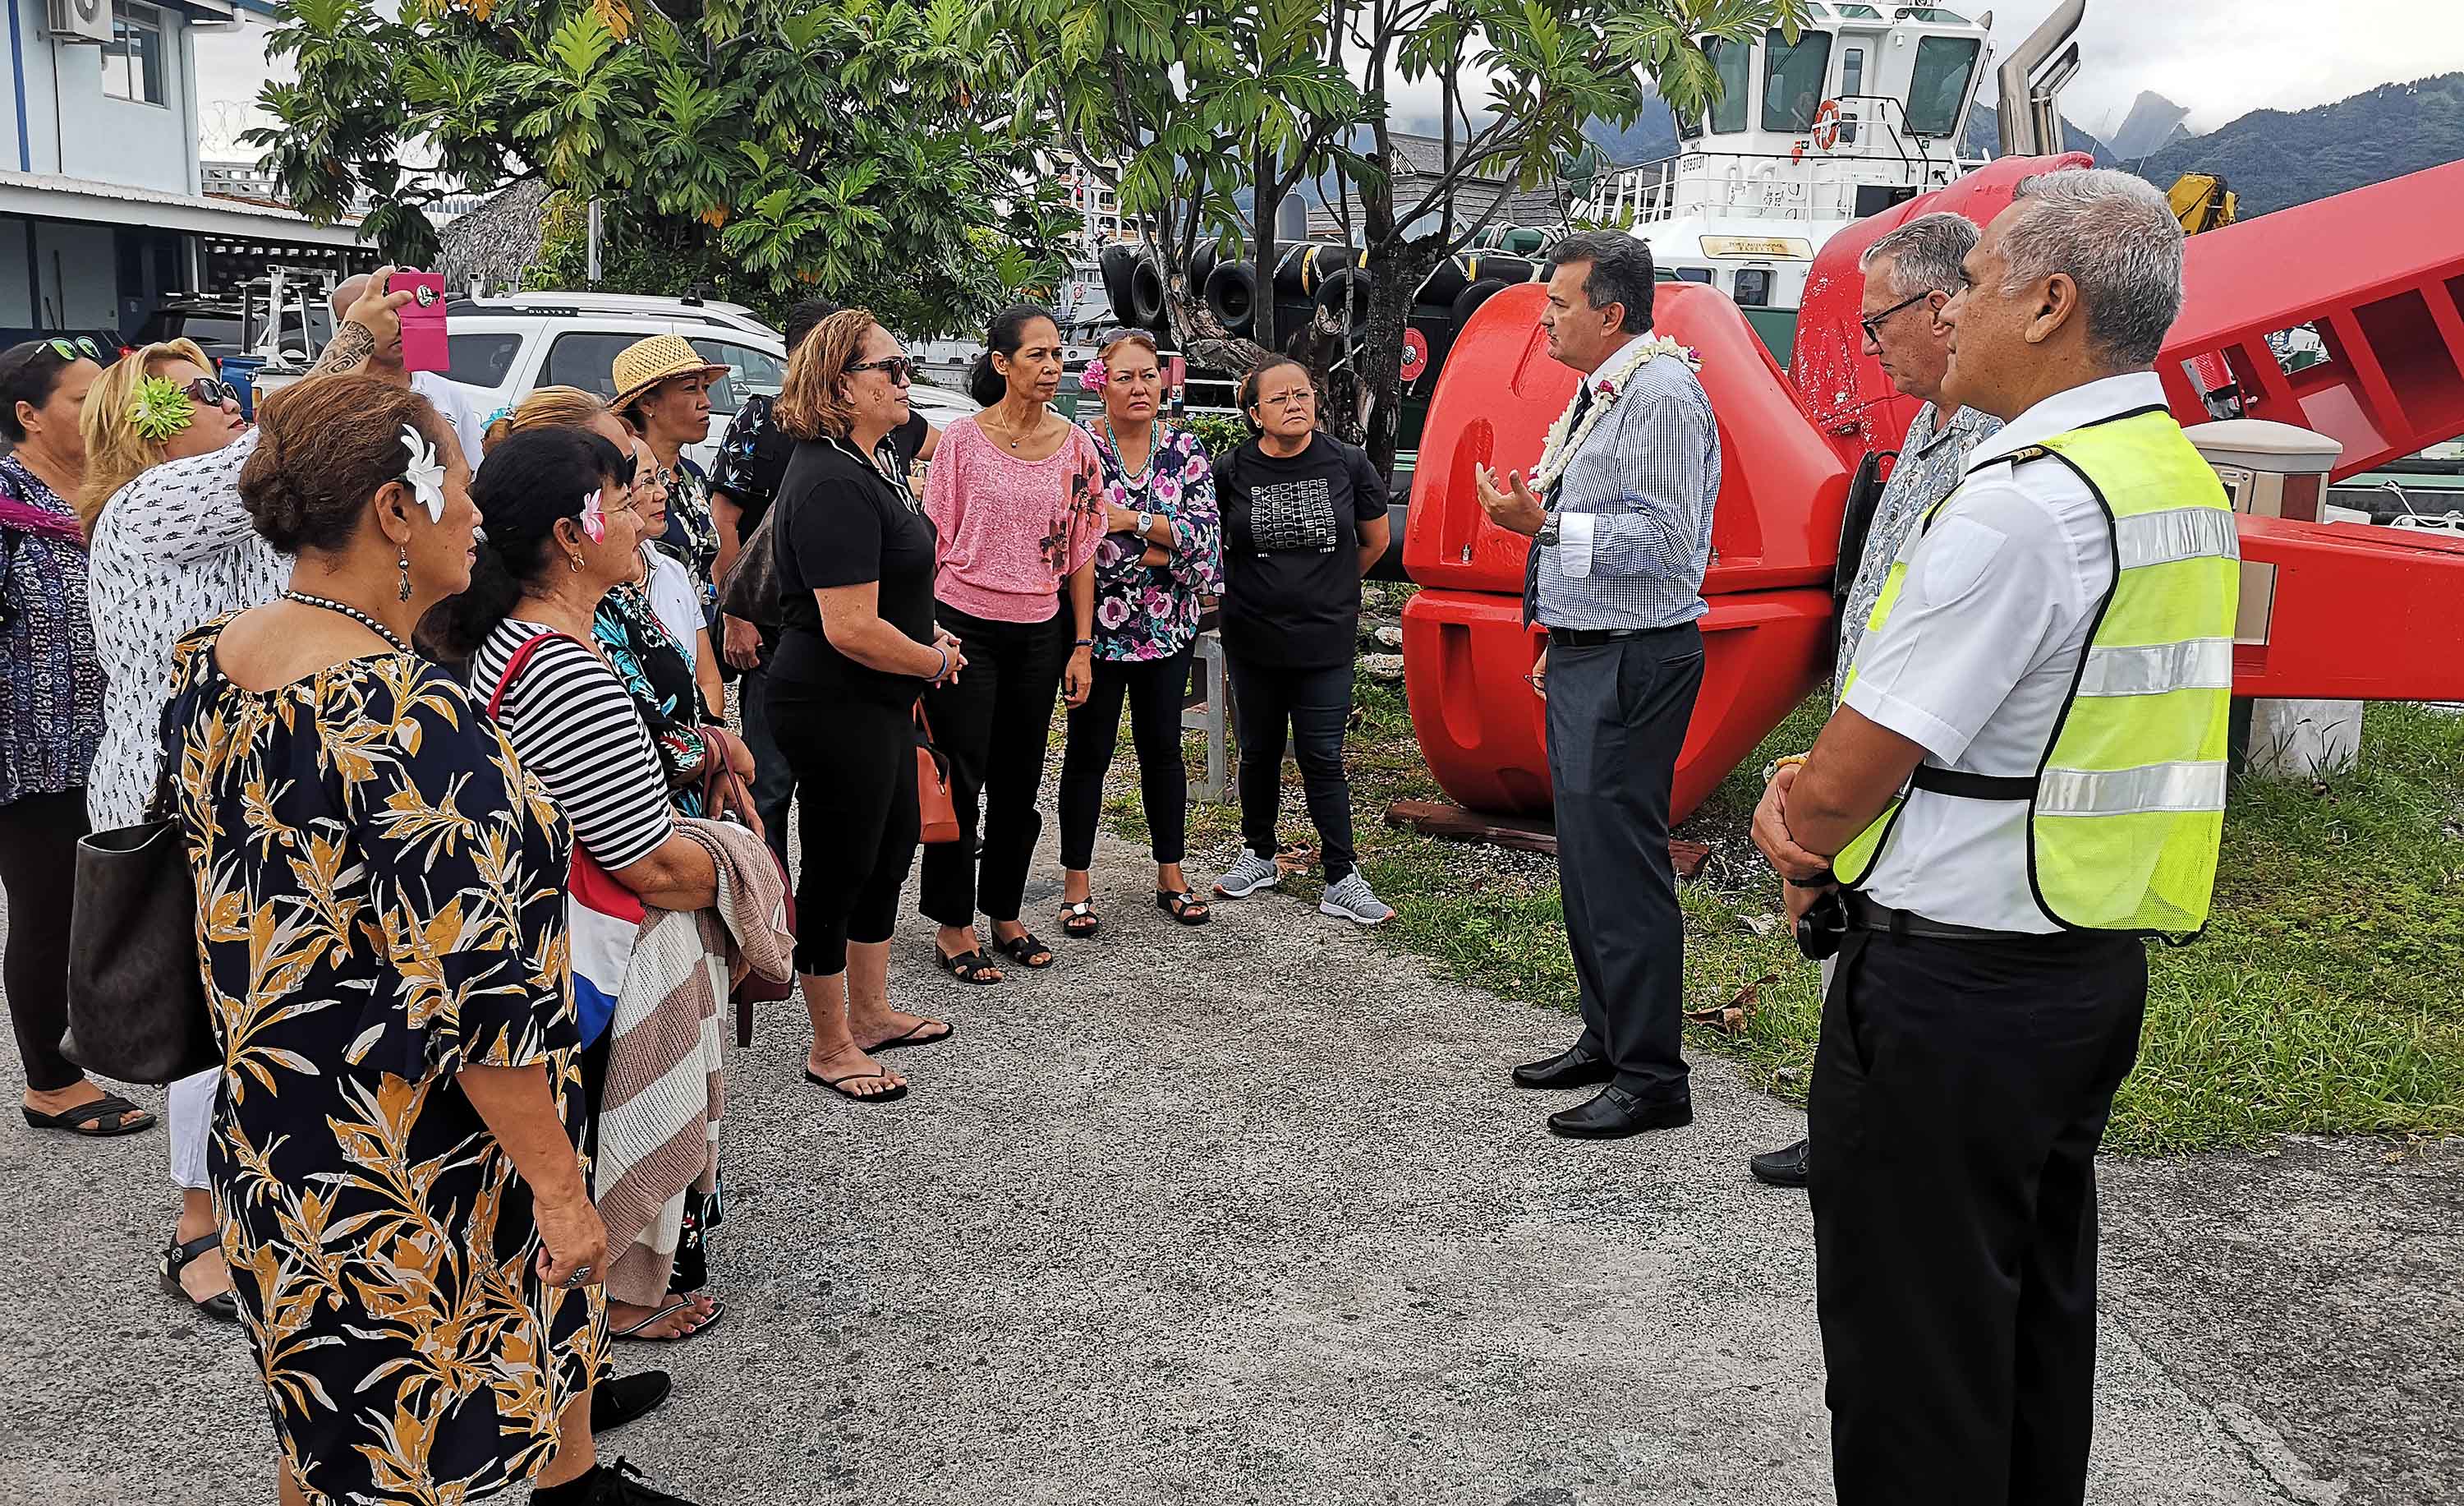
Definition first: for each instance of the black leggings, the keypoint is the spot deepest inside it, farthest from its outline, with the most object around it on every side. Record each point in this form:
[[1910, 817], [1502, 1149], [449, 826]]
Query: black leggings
[[1155, 690], [993, 722], [38, 836], [1315, 704], [855, 759]]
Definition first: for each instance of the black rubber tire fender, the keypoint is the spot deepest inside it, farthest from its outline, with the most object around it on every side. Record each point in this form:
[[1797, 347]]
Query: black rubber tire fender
[[1232, 295]]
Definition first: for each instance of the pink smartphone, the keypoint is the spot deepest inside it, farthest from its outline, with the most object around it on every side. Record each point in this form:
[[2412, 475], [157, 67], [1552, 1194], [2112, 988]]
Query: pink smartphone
[[422, 319]]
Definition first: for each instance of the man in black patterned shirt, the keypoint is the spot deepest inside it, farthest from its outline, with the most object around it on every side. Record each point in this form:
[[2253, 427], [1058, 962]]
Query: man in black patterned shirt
[[752, 459]]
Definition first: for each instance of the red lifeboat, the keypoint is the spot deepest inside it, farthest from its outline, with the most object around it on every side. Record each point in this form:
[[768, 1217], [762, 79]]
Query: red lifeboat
[[1775, 537]]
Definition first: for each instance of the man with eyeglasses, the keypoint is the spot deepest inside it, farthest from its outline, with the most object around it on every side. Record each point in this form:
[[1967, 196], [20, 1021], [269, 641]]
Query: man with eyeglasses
[[1910, 273]]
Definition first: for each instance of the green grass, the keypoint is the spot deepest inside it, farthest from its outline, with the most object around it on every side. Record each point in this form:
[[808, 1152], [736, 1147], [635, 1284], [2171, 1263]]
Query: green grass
[[2326, 997]]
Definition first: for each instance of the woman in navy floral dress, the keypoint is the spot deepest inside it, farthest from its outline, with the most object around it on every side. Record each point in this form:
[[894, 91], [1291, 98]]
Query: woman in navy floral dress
[[1162, 556], [50, 719]]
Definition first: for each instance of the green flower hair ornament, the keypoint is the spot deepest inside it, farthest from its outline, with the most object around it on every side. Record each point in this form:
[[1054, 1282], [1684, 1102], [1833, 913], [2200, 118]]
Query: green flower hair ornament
[[159, 410]]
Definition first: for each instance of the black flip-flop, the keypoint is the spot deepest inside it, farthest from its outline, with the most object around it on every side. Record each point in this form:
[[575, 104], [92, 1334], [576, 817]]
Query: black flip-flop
[[889, 1094], [968, 966], [85, 1120], [1184, 907], [1023, 948], [634, 1334], [913, 1038], [1079, 919]]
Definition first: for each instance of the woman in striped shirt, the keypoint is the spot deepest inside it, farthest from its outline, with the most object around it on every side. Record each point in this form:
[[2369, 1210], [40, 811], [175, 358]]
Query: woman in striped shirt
[[560, 534]]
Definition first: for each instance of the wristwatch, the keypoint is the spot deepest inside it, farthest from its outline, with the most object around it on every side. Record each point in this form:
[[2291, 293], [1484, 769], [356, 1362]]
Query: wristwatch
[[1548, 533], [1146, 521]]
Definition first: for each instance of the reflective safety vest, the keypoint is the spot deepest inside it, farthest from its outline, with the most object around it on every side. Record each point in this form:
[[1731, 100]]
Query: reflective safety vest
[[2126, 808]]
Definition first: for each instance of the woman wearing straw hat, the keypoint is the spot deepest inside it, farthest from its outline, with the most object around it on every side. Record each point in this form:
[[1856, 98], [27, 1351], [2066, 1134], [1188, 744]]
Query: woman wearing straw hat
[[663, 395]]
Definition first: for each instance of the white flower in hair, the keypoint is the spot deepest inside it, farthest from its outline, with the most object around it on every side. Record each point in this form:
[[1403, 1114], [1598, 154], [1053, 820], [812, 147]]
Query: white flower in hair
[[1607, 384], [425, 474]]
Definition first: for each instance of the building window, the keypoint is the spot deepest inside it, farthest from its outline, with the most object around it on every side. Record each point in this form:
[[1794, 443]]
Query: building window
[[132, 60]]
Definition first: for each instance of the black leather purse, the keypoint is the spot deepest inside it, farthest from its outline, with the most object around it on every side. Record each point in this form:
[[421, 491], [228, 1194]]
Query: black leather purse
[[137, 989]]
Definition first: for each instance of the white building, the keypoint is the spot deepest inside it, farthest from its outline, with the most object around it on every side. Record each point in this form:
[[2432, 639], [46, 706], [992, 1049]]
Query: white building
[[104, 208]]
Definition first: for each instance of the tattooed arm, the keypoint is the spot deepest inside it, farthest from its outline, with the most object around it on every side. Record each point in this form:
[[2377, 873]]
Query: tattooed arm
[[372, 323]]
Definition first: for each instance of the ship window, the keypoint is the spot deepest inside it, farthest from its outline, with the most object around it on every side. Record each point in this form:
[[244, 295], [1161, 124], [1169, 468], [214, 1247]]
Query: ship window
[[1753, 287], [1934, 14], [1701, 274], [1852, 83], [1861, 12], [1733, 62], [1939, 87], [1793, 81]]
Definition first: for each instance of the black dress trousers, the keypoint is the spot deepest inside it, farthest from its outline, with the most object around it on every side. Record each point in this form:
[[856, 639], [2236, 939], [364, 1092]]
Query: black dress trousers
[[1959, 1093], [1616, 719]]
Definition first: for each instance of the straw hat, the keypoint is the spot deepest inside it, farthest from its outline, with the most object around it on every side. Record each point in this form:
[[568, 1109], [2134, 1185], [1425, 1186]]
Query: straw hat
[[645, 363]]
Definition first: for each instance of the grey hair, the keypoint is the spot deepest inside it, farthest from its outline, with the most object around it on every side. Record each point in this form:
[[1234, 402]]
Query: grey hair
[[2116, 236], [1622, 273], [1925, 253]]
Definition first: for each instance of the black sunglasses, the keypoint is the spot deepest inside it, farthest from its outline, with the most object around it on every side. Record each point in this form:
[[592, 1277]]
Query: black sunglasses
[[1874, 326], [900, 369], [72, 350], [211, 393]]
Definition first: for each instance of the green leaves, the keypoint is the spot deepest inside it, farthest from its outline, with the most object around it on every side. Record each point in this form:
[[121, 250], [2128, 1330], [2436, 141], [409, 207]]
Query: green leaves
[[761, 149]]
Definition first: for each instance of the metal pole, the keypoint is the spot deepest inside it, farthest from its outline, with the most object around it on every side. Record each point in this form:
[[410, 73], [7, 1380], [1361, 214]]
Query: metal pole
[[594, 241]]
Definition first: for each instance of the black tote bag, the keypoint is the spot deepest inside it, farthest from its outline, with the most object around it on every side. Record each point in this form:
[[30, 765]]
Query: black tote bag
[[137, 990]]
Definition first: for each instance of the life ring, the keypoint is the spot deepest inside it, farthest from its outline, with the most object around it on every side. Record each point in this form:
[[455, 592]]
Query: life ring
[[1826, 124]]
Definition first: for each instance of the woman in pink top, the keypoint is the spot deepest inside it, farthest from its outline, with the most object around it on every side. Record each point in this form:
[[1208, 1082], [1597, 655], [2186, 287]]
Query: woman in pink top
[[1015, 493]]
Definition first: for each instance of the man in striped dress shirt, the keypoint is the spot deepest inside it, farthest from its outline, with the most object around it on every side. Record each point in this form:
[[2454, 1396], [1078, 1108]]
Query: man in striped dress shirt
[[1621, 533]]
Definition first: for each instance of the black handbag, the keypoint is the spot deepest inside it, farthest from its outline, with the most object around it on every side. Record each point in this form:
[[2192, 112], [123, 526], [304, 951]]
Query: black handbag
[[137, 988], [751, 590]]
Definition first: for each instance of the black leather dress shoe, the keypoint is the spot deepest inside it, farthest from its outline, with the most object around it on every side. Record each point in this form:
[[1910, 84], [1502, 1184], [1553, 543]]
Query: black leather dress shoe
[[1574, 1067], [627, 1398], [1781, 1169], [1616, 1114]]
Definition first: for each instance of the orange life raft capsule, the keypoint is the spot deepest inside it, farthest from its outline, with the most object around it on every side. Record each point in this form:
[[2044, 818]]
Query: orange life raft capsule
[[1774, 539]]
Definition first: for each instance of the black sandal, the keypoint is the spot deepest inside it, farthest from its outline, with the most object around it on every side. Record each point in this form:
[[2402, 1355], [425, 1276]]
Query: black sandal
[[222, 1307], [968, 967], [1023, 949], [1078, 919], [85, 1120], [1184, 907]]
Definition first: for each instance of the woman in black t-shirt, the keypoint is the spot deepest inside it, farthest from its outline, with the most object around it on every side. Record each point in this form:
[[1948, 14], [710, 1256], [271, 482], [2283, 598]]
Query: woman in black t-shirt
[[858, 647], [1303, 518]]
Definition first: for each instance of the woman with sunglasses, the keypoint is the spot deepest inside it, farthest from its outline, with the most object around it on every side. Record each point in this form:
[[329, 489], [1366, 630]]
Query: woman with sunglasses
[[51, 718], [1161, 552], [1016, 494], [1303, 518], [165, 558]]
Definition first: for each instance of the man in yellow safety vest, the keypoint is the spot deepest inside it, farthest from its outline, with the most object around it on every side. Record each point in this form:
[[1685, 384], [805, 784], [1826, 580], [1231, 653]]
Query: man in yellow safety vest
[[2025, 779]]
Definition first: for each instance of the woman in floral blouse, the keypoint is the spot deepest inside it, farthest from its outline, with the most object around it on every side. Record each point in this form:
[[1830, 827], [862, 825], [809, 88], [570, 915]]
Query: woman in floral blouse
[[51, 718], [1162, 553]]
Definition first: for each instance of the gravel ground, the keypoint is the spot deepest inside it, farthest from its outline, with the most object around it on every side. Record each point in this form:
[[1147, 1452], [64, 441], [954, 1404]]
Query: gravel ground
[[1250, 1213]]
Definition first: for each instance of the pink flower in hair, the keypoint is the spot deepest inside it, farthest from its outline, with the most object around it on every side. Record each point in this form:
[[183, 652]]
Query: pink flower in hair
[[594, 521], [1093, 377]]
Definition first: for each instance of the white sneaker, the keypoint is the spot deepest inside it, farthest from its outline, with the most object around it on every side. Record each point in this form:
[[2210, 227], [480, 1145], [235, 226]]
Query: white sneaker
[[1249, 875], [1351, 901]]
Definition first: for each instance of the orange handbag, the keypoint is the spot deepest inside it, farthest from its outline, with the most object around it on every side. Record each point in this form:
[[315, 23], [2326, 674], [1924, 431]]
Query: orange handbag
[[937, 807]]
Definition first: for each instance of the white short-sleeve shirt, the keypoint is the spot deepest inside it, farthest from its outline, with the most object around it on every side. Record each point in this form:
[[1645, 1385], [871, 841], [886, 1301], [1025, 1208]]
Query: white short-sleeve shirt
[[1979, 655], [458, 404], [674, 598]]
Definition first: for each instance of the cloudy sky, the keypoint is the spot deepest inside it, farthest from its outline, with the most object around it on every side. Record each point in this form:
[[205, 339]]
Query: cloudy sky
[[2219, 58]]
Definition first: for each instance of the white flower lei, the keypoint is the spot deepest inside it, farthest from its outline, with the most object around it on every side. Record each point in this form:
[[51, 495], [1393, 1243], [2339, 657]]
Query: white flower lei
[[1607, 386]]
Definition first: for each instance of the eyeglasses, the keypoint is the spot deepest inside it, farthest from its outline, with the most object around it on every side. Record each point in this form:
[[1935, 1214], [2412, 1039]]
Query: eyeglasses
[[73, 349], [1874, 324], [1297, 397], [900, 369], [211, 393]]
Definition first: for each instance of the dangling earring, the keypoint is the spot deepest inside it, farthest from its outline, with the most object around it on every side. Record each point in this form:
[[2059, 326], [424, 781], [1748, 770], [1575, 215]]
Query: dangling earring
[[403, 592], [576, 561]]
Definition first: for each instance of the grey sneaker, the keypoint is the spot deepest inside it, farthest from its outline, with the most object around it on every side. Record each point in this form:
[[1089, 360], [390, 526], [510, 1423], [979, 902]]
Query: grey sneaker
[[1249, 875], [1351, 901]]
